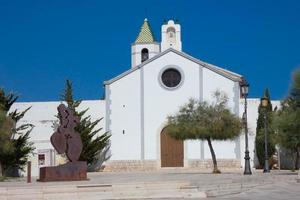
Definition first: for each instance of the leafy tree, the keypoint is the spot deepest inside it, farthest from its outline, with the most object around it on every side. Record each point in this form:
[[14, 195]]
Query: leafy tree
[[287, 120], [21, 147], [204, 121], [6, 125], [95, 147], [260, 132]]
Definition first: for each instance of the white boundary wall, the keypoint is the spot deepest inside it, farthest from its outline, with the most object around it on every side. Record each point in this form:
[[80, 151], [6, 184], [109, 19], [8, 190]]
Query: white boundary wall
[[42, 116]]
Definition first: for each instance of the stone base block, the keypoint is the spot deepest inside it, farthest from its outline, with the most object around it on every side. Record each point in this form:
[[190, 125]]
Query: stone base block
[[208, 164], [71, 171]]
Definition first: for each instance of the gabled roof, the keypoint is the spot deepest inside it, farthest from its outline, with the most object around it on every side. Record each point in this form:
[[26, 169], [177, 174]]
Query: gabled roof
[[223, 72], [145, 35]]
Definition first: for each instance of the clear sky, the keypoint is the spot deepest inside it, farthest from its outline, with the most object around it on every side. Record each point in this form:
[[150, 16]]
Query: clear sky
[[43, 43]]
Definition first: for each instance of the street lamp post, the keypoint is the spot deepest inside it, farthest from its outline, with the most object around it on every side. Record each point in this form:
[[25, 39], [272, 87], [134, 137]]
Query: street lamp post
[[264, 103], [245, 89]]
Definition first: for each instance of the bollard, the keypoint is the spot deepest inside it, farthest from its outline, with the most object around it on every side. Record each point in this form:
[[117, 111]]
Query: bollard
[[29, 172]]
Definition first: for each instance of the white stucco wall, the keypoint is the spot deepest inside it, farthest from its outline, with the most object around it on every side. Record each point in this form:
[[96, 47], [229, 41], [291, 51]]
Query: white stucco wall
[[136, 52], [128, 146], [211, 83], [124, 115], [42, 116], [147, 104], [160, 102]]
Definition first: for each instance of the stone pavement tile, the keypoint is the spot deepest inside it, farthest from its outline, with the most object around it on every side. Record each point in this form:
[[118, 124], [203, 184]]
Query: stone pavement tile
[[166, 184], [25, 197], [3, 191], [94, 189], [23, 191], [194, 194], [277, 191], [163, 194], [61, 196], [59, 189], [95, 195], [129, 191]]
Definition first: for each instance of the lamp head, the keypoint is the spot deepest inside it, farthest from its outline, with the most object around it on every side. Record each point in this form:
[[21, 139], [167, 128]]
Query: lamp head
[[244, 87]]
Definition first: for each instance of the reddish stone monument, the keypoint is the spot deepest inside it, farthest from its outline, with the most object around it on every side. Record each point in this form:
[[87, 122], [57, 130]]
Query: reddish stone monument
[[66, 140]]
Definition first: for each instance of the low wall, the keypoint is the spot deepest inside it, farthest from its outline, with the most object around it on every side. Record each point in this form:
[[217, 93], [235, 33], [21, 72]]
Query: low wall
[[130, 165], [150, 165], [208, 164]]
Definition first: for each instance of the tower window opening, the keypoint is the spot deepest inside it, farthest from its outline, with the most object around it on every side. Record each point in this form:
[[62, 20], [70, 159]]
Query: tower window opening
[[145, 54], [171, 34]]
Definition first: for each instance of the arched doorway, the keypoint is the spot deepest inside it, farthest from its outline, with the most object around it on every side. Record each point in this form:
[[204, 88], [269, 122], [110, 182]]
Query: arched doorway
[[171, 150]]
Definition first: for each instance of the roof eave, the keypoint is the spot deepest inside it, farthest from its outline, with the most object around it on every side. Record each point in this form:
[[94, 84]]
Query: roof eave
[[223, 72]]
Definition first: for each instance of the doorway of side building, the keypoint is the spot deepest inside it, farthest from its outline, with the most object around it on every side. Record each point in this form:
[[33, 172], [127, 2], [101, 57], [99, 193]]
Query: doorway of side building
[[171, 150]]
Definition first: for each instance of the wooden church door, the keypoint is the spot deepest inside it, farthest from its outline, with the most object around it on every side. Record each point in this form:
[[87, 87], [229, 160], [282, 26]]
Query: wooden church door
[[171, 153]]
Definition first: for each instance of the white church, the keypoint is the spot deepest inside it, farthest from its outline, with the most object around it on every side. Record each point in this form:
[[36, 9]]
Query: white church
[[161, 78]]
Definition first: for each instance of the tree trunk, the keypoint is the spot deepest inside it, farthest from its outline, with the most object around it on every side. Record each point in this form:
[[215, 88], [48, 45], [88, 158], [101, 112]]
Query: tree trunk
[[1, 174], [213, 156], [297, 159]]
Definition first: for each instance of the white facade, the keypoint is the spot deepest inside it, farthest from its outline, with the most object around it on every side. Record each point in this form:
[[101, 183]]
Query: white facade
[[138, 102], [42, 116], [138, 105]]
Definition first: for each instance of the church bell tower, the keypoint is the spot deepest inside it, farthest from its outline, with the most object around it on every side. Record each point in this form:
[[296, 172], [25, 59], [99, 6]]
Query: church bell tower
[[170, 36], [145, 46]]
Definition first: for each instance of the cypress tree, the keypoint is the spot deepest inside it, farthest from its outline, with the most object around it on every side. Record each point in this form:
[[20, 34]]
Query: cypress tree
[[95, 147], [260, 132], [287, 120], [6, 125], [21, 147]]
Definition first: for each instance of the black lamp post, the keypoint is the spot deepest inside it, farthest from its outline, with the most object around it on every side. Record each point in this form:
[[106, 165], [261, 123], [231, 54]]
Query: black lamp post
[[245, 89], [264, 103]]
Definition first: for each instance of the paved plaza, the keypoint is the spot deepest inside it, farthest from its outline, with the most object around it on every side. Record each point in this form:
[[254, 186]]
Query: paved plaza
[[161, 184], [276, 191]]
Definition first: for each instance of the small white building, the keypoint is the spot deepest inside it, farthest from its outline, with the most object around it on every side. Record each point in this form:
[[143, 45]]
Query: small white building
[[137, 102]]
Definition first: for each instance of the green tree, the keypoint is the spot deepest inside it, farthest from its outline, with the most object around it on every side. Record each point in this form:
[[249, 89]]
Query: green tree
[[6, 126], [21, 147], [260, 132], [204, 121], [287, 120], [95, 146]]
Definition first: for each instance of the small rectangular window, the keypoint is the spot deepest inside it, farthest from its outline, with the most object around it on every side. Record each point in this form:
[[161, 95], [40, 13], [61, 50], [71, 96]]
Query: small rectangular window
[[41, 159]]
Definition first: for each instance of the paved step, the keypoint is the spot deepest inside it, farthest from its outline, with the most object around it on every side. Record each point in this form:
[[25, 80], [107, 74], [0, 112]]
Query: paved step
[[105, 191], [234, 188]]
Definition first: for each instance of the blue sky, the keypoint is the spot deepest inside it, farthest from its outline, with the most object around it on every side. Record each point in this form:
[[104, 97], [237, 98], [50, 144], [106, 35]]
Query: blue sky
[[43, 43]]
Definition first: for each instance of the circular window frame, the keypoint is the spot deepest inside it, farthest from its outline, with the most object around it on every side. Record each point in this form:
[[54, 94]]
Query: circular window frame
[[161, 83]]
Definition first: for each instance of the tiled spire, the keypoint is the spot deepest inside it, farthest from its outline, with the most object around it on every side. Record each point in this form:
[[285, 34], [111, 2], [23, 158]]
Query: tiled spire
[[146, 35]]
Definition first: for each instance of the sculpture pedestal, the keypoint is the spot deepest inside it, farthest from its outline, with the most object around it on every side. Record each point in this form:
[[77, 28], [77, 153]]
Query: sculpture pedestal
[[71, 171]]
